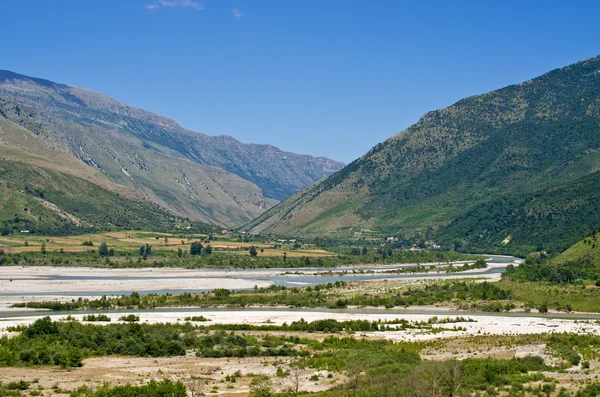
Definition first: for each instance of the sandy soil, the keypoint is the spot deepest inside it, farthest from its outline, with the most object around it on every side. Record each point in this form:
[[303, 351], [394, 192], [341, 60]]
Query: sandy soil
[[30, 280], [22, 284], [482, 325], [122, 370]]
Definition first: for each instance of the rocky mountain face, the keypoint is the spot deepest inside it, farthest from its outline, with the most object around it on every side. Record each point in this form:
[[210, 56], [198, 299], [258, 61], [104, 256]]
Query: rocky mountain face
[[214, 179], [510, 170]]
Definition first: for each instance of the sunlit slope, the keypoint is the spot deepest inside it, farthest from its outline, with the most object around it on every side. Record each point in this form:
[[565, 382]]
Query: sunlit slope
[[512, 145], [212, 179], [586, 250], [46, 190]]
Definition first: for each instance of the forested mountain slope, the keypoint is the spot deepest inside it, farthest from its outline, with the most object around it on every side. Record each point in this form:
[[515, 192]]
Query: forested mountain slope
[[510, 169]]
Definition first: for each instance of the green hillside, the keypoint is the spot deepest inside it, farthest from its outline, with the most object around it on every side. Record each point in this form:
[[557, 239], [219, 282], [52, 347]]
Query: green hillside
[[586, 250], [512, 162], [48, 202], [549, 219], [580, 264], [45, 190]]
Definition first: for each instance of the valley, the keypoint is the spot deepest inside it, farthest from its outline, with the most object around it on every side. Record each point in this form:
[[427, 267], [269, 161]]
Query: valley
[[98, 313], [139, 258], [114, 149], [438, 330]]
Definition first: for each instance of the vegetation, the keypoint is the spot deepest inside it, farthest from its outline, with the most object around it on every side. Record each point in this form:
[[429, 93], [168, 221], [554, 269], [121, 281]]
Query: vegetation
[[124, 254], [492, 169], [99, 317], [274, 295], [372, 367], [152, 389], [541, 267], [551, 220], [585, 250], [47, 342], [327, 295], [24, 191], [218, 174]]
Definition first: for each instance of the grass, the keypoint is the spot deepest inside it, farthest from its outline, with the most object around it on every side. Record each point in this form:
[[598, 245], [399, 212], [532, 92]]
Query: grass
[[581, 298], [586, 248], [84, 206]]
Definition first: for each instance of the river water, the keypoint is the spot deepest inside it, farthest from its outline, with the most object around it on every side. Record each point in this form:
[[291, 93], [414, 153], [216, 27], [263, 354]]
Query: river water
[[289, 277], [312, 277]]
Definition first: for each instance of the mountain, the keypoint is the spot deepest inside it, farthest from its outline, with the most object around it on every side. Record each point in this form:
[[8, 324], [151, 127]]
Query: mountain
[[510, 170], [586, 251], [213, 179], [51, 192]]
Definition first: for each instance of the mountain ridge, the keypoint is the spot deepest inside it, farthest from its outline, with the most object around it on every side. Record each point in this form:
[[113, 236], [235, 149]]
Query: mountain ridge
[[519, 139], [217, 180]]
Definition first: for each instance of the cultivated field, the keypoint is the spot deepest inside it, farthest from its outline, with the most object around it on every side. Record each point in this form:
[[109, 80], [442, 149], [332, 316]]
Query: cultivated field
[[132, 240]]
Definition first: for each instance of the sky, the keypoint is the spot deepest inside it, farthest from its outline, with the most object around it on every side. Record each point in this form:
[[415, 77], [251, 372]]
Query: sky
[[322, 77]]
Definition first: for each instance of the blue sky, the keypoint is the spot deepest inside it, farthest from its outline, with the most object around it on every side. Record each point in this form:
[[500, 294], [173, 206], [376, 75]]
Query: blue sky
[[323, 77]]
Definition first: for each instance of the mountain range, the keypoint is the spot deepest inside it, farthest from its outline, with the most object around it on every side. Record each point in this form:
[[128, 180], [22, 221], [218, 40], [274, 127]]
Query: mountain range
[[54, 137], [513, 170]]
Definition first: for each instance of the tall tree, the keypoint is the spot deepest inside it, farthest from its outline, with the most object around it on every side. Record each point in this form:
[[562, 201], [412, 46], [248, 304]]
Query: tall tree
[[103, 249], [253, 251], [196, 248]]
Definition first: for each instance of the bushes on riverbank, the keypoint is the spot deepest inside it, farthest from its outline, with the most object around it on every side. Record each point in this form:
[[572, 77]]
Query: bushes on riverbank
[[47, 342]]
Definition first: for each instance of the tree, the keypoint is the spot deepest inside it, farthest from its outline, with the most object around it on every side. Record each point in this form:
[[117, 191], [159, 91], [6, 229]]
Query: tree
[[253, 251], [42, 326], [436, 379], [103, 249], [261, 386], [148, 250], [179, 252], [195, 385], [295, 379], [365, 251], [208, 250], [43, 249], [196, 248], [354, 368]]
